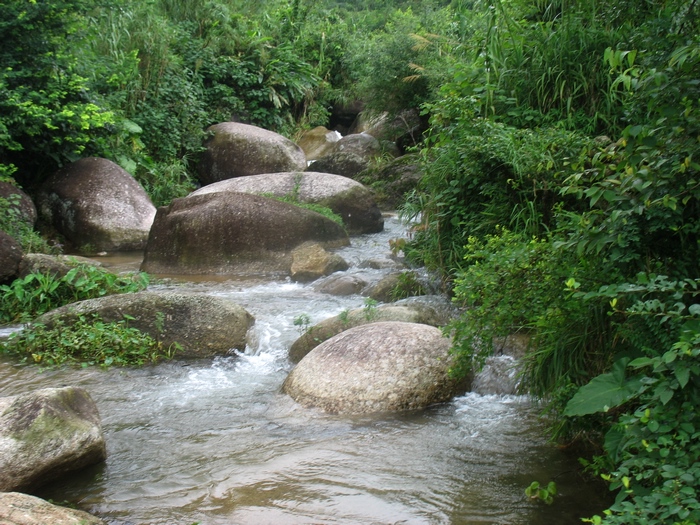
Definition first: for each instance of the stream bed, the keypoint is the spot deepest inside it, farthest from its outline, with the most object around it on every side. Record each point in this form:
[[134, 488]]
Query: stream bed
[[215, 442]]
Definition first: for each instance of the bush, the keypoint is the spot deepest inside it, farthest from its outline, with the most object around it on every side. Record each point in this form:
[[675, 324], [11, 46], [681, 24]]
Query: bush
[[30, 296], [88, 341]]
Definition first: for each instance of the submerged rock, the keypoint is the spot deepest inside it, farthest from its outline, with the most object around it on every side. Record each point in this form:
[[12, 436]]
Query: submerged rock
[[23, 509], [46, 434], [204, 326], [378, 367]]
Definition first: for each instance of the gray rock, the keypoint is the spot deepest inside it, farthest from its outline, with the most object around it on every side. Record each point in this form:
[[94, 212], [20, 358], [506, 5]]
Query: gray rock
[[342, 284], [204, 326], [96, 206], [377, 367], [20, 204], [310, 262], [349, 156], [409, 313], [10, 256], [22, 509], [239, 150], [346, 197], [46, 434], [234, 233]]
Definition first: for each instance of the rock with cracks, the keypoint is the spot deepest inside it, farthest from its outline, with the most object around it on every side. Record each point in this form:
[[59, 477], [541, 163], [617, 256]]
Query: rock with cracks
[[47, 434], [202, 325], [378, 367]]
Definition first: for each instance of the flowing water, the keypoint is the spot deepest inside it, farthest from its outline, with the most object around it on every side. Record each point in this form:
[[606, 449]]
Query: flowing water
[[215, 442]]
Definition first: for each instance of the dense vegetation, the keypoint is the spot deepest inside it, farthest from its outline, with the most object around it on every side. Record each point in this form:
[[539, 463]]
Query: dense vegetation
[[560, 194]]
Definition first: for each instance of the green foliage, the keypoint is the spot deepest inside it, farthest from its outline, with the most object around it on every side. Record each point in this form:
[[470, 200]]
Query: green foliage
[[30, 296], [473, 185], [86, 342], [15, 225], [511, 283], [538, 492], [303, 323], [652, 449], [408, 285], [47, 113]]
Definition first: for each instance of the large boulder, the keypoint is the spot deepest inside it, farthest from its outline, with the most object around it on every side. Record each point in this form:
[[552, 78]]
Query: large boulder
[[349, 156], [376, 367], [317, 142], [19, 204], [47, 434], [346, 197], [407, 313], [239, 150], [202, 325], [23, 509], [10, 256], [96, 206], [234, 233]]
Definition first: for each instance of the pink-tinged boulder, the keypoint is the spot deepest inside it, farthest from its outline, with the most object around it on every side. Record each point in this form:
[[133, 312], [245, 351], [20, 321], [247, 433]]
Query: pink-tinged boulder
[[45, 435], [96, 206], [239, 150], [378, 367], [230, 233]]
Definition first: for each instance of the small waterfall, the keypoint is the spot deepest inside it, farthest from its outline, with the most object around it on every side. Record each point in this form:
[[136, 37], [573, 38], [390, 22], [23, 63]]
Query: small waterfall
[[498, 376]]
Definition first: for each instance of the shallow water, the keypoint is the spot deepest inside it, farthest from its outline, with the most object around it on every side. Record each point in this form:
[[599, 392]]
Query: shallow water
[[215, 442]]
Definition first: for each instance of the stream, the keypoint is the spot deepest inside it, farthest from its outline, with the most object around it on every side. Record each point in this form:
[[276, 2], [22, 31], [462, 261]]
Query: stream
[[215, 442]]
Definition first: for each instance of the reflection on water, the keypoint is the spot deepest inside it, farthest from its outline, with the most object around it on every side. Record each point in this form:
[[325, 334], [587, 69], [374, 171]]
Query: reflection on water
[[216, 442]]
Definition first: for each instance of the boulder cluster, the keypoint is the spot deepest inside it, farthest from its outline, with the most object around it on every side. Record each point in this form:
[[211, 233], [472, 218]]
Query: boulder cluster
[[256, 213]]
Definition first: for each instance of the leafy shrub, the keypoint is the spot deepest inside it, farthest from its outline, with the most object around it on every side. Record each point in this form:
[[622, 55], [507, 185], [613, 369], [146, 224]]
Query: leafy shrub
[[653, 448], [37, 293], [88, 341], [12, 223]]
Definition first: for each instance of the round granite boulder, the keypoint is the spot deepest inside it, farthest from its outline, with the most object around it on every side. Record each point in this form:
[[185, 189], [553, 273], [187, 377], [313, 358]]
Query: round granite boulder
[[96, 206], [378, 367], [239, 150]]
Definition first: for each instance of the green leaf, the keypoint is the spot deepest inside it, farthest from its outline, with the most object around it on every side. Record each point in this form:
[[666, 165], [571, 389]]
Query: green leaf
[[682, 374], [604, 392]]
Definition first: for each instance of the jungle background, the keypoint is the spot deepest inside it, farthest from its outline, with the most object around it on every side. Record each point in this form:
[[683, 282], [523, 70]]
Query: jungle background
[[559, 195]]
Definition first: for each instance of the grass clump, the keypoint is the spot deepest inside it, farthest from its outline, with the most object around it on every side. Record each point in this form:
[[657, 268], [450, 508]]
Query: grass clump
[[89, 341], [37, 293]]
